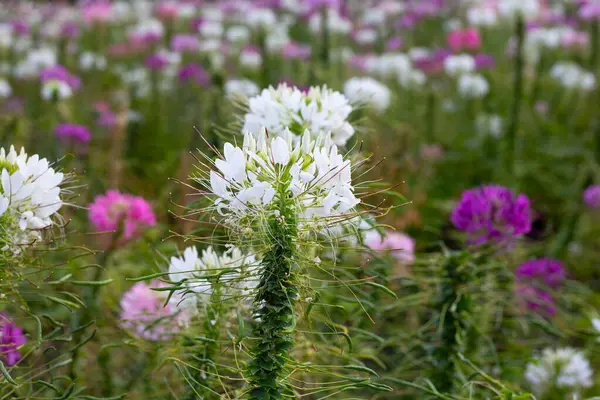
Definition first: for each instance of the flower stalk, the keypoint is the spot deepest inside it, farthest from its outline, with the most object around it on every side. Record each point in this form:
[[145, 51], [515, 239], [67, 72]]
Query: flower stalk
[[513, 123], [274, 302]]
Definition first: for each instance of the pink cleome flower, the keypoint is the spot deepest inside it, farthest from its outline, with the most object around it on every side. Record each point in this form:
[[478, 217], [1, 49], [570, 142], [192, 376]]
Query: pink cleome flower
[[114, 211]]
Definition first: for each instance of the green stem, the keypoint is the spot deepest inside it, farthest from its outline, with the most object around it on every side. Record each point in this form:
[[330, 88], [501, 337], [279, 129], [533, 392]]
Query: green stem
[[85, 314], [325, 37], [454, 307], [209, 349], [595, 43], [274, 306], [513, 125]]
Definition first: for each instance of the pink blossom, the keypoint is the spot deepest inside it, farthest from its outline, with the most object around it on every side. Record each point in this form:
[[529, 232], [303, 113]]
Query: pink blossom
[[574, 39], [167, 10], [468, 39], [11, 339], [400, 245], [114, 211], [145, 314], [97, 12]]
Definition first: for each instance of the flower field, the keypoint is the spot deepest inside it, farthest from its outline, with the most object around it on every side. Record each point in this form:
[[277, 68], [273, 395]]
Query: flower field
[[300, 199]]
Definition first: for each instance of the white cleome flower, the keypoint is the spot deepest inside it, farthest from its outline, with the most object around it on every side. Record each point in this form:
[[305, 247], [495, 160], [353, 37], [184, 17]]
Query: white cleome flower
[[524, 8], [564, 369], [320, 111], [368, 91], [240, 88], [29, 198], [5, 89], [572, 76], [191, 272], [250, 182], [459, 64], [473, 86]]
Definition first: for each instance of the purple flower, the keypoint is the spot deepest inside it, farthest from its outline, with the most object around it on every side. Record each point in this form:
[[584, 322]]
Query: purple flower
[[533, 277], [185, 43], [194, 73], [536, 300], [73, 133], [11, 338], [156, 62], [590, 11], [434, 62], [20, 27], [61, 74], [484, 61], [394, 43], [293, 50], [69, 29], [492, 213], [591, 196], [547, 270]]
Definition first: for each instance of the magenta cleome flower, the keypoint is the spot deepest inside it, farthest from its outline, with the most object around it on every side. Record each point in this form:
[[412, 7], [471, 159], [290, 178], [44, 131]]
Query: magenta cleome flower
[[492, 214], [183, 43], [60, 74], [114, 211], [549, 271], [466, 39], [534, 277], [11, 339], [73, 133], [145, 314], [591, 196], [194, 73]]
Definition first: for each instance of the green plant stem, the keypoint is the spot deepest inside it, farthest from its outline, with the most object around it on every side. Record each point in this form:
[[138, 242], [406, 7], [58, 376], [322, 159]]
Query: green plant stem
[[454, 307], [513, 124], [85, 314], [325, 37], [274, 306], [595, 44], [209, 349]]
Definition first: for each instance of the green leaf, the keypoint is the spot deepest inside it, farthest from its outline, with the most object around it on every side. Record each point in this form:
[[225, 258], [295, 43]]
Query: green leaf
[[383, 288], [6, 375], [361, 368]]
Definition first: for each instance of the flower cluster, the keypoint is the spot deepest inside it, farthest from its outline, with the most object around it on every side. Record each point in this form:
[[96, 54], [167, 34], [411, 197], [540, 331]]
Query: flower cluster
[[29, 198], [73, 133], [559, 369], [114, 211], [492, 213], [534, 277], [58, 81], [591, 196], [252, 179], [191, 271], [400, 245], [320, 111], [572, 76], [367, 91], [11, 339], [145, 314]]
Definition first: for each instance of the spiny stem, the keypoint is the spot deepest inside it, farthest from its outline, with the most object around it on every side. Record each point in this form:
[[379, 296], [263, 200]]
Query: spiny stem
[[274, 306]]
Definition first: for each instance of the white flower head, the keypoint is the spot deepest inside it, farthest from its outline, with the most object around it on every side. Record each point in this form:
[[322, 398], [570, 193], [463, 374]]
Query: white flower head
[[456, 65], [196, 274], [250, 181], [473, 86], [320, 111], [369, 92], [565, 369], [571, 76], [5, 89], [240, 88], [29, 198]]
